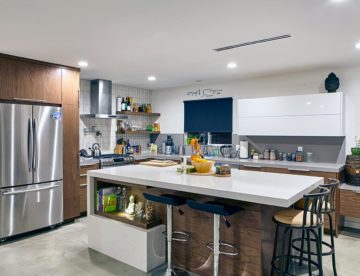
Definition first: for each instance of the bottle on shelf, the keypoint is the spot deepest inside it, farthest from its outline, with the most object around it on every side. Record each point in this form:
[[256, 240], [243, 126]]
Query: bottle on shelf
[[118, 199], [118, 103], [123, 104], [128, 104]]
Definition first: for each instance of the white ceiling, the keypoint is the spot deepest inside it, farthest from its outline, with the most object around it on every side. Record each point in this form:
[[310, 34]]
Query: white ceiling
[[125, 41]]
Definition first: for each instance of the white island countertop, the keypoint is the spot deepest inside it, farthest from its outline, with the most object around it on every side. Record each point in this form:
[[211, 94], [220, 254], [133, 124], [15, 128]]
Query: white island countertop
[[274, 189]]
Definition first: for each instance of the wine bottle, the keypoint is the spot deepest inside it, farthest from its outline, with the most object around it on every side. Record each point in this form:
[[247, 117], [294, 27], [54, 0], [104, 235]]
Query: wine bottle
[[123, 104]]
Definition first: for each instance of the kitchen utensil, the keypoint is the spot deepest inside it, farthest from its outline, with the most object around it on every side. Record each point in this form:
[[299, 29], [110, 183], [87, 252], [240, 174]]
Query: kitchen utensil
[[226, 151], [96, 150], [159, 163], [244, 149]]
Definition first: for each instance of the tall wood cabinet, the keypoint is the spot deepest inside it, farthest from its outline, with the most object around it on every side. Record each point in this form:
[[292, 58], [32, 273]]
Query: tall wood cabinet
[[25, 80], [70, 103]]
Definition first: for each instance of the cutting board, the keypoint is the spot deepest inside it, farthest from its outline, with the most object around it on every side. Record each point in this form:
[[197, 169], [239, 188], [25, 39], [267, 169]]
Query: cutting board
[[159, 163]]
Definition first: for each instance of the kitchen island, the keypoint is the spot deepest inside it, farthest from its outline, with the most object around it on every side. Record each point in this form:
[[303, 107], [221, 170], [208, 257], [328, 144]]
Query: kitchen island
[[142, 245]]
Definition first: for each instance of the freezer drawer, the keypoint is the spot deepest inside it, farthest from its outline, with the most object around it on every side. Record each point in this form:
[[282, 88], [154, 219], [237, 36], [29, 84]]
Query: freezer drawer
[[30, 207]]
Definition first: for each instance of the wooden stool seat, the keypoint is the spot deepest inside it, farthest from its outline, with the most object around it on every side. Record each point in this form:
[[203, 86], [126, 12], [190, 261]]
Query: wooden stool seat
[[294, 217]]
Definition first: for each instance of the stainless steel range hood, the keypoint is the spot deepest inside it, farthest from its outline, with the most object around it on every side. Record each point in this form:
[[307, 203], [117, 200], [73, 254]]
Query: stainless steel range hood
[[100, 101]]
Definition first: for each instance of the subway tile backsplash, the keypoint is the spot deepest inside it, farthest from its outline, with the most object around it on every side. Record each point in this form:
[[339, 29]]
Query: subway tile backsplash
[[108, 137]]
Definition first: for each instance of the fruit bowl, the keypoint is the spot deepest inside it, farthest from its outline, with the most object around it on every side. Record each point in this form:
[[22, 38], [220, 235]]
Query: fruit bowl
[[203, 166]]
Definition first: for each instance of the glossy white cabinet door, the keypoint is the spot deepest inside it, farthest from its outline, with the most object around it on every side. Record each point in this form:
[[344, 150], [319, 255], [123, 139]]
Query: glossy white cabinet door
[[302, 115]]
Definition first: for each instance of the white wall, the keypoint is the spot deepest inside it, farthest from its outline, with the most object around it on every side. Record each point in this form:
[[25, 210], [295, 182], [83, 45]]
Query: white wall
[[169, 102]]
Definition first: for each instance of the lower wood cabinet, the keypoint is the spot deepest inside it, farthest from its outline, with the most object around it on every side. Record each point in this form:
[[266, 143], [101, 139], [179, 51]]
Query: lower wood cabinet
[[350, 203], [83, 186]]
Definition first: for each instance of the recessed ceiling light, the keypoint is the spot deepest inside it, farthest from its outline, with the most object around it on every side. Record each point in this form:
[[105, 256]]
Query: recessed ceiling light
[[338, 1], [151, 78], [83, 63], [357, 45], [231, 65]]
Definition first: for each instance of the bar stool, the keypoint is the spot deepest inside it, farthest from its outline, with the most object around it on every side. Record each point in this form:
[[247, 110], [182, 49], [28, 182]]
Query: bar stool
[[218, 209], [170, 201], [328, 208], [307, 220]]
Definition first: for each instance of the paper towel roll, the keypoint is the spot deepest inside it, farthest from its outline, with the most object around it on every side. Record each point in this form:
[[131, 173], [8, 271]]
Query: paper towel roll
[[244, 149]]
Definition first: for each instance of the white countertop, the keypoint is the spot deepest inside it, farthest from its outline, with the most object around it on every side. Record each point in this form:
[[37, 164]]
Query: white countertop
[[311, 166], [303, 166], [273, 189]]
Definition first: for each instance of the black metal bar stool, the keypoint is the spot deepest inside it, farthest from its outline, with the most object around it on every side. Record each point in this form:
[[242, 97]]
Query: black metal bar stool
[[307, 220], [170, 201], [218, 209], [328, 208]]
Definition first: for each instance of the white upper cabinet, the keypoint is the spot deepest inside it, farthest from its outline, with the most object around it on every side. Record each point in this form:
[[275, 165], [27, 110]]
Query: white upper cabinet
[[301, 115]]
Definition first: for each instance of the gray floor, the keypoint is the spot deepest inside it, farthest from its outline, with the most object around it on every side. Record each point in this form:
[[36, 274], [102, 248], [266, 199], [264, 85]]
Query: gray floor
[[64, 251]]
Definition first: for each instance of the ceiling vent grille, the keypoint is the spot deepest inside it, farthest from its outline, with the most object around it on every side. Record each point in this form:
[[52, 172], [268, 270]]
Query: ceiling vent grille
[[253, 42]]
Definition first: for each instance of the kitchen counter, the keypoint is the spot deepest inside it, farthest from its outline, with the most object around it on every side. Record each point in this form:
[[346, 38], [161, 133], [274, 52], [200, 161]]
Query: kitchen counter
[[274, 189], [310, 166], [313, 166]]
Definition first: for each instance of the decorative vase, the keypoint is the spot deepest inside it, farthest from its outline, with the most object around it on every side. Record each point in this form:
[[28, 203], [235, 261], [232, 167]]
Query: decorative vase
[[332, 83]]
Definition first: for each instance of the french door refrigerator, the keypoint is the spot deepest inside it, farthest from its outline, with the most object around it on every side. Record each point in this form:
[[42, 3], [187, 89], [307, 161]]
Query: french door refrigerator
[[31, 168]]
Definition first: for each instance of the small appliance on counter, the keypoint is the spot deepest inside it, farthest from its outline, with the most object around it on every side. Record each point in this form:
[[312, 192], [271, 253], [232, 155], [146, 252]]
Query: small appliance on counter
[[227, 151], [169, 144], [244, 149]]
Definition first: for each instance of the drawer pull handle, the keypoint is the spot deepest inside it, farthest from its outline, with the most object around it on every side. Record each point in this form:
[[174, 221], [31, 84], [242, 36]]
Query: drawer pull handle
[[299, 169], [30, 100], [83, 174], [253, 166], [83, 185]]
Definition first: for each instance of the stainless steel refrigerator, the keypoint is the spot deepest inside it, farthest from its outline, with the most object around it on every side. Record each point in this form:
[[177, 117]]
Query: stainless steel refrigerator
[[31, 168]]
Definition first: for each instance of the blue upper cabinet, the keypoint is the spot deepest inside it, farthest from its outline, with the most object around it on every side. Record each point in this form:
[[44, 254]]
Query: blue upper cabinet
[[215, 115]]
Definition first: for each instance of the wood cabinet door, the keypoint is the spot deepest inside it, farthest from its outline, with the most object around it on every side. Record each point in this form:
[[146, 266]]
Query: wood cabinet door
[[29, 81], [350, 203], [71, 161], [70, 86]]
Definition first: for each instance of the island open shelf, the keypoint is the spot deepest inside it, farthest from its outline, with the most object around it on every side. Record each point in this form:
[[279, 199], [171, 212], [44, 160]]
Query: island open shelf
[[121, 215]]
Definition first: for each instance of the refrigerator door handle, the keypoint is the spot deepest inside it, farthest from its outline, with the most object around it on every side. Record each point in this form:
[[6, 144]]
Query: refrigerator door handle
[[30, 144], [29, 190], [35, 157]]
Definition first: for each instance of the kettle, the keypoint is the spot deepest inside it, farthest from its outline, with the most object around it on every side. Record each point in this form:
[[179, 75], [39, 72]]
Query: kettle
[[95, 149]]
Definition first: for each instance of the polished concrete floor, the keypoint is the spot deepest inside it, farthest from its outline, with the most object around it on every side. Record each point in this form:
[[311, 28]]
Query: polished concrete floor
[[63, 251]]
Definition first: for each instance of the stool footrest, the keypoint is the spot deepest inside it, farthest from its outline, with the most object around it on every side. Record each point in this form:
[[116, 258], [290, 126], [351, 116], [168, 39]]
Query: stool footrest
[[326, 253], [235, 252], [179, 233]]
